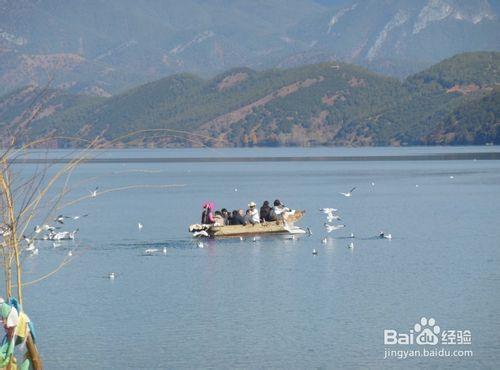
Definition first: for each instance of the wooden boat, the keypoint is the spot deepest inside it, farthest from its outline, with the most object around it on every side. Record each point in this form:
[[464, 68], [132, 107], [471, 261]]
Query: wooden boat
[[275, 227]]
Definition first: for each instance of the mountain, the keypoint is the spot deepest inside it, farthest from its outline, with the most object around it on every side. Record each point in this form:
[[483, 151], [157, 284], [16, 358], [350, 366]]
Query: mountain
[[452, 102], [102, 48]]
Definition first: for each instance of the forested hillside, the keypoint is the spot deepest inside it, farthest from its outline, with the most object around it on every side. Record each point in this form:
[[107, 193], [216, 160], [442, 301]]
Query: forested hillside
[[453, 102]]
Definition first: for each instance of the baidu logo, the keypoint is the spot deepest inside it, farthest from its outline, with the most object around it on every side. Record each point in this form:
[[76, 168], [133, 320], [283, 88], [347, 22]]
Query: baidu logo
[[427, 331], [427, 339]]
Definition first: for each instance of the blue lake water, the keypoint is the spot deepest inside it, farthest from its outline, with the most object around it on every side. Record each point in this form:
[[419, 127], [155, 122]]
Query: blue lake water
[[271, 303]]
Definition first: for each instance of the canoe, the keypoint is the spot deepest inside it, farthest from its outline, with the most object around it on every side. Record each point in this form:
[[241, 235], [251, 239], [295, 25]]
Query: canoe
[[274, 227]]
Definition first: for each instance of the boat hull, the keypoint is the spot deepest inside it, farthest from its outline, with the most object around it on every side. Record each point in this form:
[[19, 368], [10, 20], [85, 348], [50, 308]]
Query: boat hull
[[257, 229]]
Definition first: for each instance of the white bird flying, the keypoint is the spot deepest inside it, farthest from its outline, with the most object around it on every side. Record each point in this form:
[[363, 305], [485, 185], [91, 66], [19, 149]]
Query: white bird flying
[[349, 193], [383, 235], [331, 217], [200, 233], [78, 217], [93, 193], [328, 210], [31, 246], [39, 229], [330, 228], [60, 219]]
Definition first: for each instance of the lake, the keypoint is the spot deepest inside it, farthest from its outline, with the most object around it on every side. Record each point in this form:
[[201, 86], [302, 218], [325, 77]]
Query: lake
[[272, 303]]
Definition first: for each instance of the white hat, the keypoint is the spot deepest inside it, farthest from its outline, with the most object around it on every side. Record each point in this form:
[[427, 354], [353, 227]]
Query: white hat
[[252, 204]]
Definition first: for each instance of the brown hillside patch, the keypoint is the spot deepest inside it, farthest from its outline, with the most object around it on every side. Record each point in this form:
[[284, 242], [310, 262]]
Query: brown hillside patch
[[231, 80], [223, 122], [332, 99], [463, 89]]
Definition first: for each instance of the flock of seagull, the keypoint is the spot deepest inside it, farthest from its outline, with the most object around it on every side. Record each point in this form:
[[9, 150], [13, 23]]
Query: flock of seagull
[[331, 216], [53, 233]]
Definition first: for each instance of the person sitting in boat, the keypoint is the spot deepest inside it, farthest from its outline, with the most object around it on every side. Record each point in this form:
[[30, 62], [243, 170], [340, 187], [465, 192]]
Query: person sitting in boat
[[238, 218], [207, 216], [253, 214], [278, 211], [218, 219], [265, 211], [226, 216]]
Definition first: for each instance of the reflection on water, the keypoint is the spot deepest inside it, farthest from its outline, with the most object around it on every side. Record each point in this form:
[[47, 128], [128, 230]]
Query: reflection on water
[[271, 303]]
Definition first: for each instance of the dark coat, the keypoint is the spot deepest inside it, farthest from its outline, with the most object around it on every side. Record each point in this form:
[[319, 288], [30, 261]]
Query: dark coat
[[238, 220], [264, 213]]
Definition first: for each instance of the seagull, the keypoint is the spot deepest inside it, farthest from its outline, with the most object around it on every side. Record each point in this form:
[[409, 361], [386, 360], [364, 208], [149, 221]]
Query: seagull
[[60, 219], [352, 235], [241, 238], [332, 217], [416, 185], [330, 228], [150, 251], [452, 177], [328, 210], [164, 250], [383, 235], [55, 245], [39, 229], [140, 226], [93, 193], [373, 184], [70, 253], [200, 233], [111, 275], [351, 245], [63, 235], [34, 252], [315, 252], [78, 217], [324, 241], [349, 193], [255, 239], [201, 245], [31, 246], [235, 189]]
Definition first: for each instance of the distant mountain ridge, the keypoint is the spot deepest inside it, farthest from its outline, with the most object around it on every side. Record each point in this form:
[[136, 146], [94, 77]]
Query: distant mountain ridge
[[104, 47], [453, 102]]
